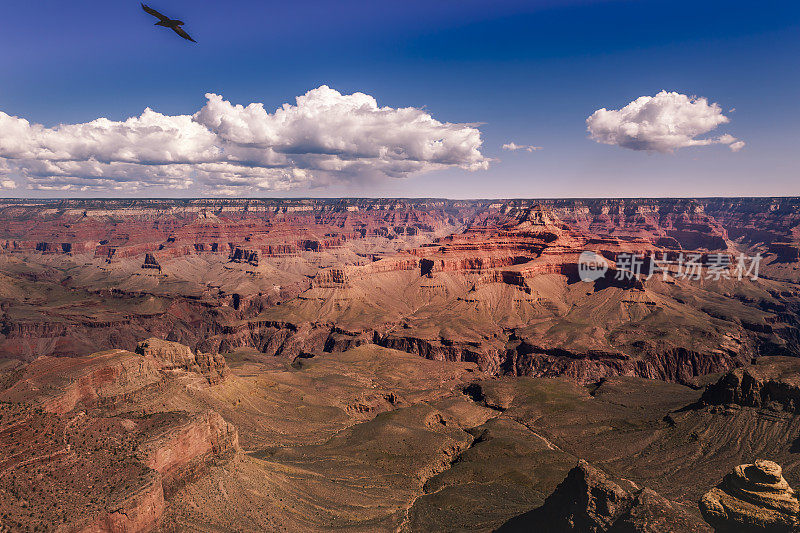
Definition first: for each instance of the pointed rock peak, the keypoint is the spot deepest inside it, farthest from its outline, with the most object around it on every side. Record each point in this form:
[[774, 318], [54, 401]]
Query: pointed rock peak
[[588, 500]]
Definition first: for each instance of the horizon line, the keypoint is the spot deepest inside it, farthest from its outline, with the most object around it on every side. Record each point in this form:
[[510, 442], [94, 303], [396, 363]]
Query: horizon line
[[293, 198]]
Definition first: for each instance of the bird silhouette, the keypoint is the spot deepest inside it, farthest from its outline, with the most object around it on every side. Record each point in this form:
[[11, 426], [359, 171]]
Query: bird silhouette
[[167, 22]]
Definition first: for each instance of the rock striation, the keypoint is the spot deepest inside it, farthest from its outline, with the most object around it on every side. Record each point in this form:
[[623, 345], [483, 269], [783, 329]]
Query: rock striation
[[88, 446], [179, 444], [176, 356], [588, 501], [754, 497], [137, 509], [491, 282], [240, 255]]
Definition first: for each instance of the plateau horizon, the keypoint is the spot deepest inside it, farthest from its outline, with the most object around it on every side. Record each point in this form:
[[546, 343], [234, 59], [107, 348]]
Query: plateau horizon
[[500, 199]]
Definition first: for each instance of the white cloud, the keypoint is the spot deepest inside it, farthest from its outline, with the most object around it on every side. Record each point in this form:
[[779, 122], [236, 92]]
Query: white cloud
[[6, 183], [660, 123], [737, 145], [325, 138], [512, 146]]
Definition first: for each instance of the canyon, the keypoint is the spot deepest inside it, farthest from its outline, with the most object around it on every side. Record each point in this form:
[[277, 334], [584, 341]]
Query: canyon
[[493, 283], [393, 364]]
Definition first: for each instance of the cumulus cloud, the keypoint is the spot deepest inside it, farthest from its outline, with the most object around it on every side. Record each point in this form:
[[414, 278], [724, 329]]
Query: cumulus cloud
[[5, 182], [513, 147], [736, 146], [324, 138], [661, 123]]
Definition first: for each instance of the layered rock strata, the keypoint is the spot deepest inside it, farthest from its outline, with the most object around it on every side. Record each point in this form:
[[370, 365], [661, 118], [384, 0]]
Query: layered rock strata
[[176, 356], [753, 498], [87, 451]]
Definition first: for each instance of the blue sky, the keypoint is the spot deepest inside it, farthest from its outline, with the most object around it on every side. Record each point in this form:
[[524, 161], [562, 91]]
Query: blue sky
[[528, 72]]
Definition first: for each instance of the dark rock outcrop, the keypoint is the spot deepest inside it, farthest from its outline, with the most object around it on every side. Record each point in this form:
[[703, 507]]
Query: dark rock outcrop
[[150, 262], [240, 255], [770, 382], [786, 252], [588, 501]]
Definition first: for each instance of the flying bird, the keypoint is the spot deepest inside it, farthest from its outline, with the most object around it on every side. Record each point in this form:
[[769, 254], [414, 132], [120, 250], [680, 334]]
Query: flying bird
[[167, 22]]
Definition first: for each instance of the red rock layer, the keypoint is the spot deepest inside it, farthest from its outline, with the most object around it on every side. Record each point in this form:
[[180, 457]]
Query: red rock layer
[[86, 471]]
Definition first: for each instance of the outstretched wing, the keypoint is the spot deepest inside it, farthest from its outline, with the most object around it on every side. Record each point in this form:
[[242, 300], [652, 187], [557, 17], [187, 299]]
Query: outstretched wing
[[182, 33], [153, 12]]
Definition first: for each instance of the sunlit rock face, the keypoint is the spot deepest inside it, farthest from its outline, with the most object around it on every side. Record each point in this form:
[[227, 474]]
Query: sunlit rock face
[[754, 497], [492, 282], [176, 356], [90, 445]]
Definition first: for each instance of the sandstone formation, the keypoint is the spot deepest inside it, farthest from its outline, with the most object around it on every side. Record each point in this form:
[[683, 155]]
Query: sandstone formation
[[239, 255], [489, 282], [177, 446], [79, 226], [405, 365], [754, 497], [367, 439], [60, 385], [136, 509], [84, 452], [176, 356], [505, 294]]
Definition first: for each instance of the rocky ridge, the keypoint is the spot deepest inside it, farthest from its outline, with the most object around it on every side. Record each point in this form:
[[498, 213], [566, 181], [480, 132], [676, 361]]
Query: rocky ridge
[[589, 501], [85, 452], [770, 382], [369, 439], [176, 356]]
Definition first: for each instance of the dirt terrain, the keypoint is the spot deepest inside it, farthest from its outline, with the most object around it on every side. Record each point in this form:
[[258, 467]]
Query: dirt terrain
[[391, 365]]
